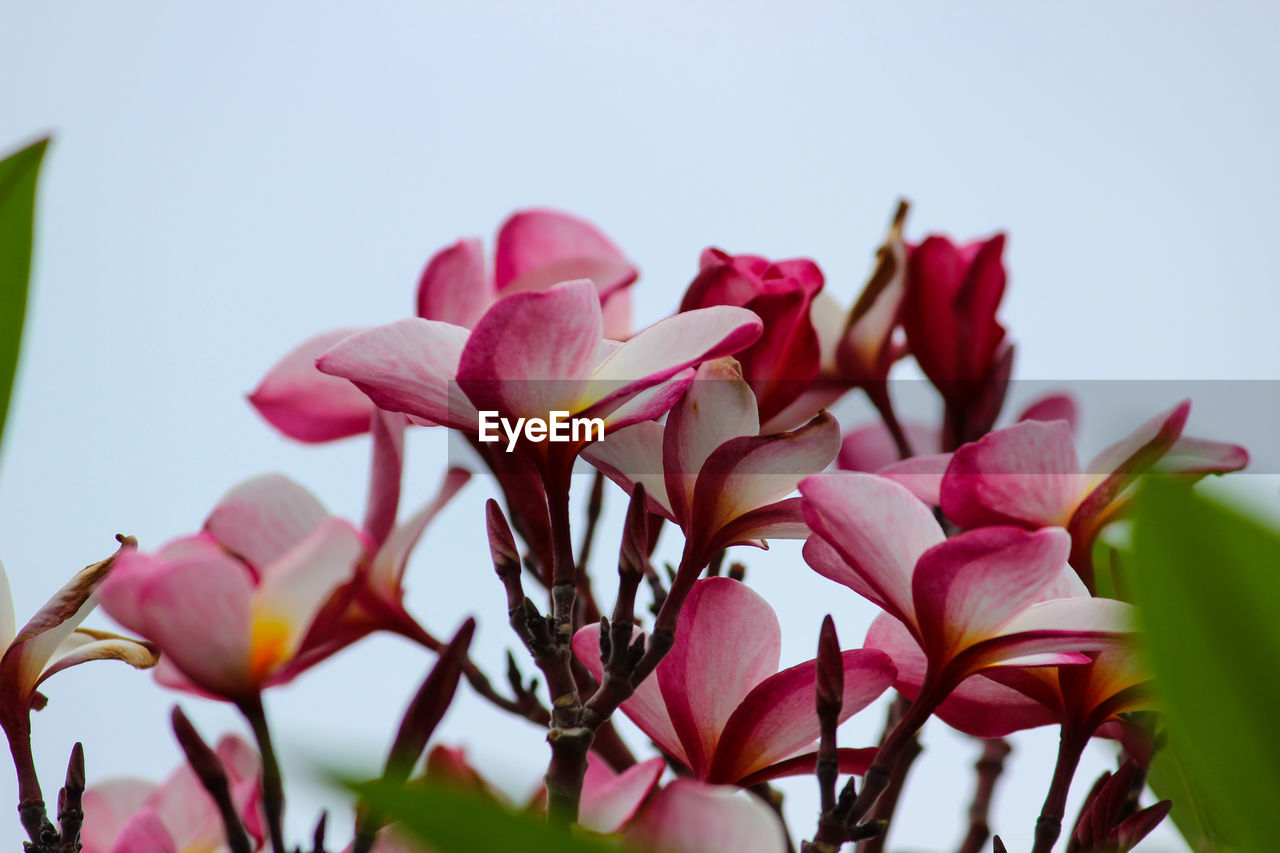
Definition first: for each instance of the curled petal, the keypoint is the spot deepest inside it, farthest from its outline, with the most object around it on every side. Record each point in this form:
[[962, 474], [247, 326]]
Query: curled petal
[[453, 286], [304, 403], [1201, 456], [387, 568], [86, 644], [1052, 407], [610, 800]]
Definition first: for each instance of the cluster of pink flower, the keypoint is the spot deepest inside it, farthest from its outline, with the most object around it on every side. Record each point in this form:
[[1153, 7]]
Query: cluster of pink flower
[[979, 549]]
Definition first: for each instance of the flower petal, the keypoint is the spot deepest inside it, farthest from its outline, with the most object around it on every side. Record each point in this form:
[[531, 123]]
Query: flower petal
[[453, 286], [718, 406], [107, 808], [1201, 456], [1063, 625], [8, 619], [262, 518], [86, 644], [533, 238], [966, 588], [853, 762], [144, 833], [691, 817], [407, 366], [777, 719], [1026, 474], [387, 568], [727, 641], [921, 475], [305, 404], [877, 527], [871, 447], [610, 800], [1052, 407], [634, 455]]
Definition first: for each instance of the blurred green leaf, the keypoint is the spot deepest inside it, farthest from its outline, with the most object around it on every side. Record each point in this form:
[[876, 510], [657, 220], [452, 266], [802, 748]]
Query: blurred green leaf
[[1170, 780], [454, 821], [17, 212], [1207, 584]]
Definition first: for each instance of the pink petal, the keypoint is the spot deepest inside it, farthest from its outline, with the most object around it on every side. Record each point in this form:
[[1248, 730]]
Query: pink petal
[[727, 641], [920, 475], [188, 813], [1142, 447], [785, 360], [777, 719], [691, 817], [610, 800], [781, 520], [144, 833], [407, 366], [877, 527], [1052, 407], [752, 472], [1026, 474], [852, 762], [978, 706], [967, 587], [262, 518], [453, 286], [634, 455], [385, 472], [304, 403], [530, 352], [1066, 625], [294, 587], [646, 707], [1201, 456], [387, 568], [645, 404], [826, 561], [107, 808], [718, 406], [871, 447], [666, 348], [533, 238]]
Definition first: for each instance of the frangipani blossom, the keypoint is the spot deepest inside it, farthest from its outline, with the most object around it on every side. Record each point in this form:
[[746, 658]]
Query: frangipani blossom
[[710, 471], [535, 250], [533, 353], [176, 816], [1029, 475], [972, 602], [717, 703], [232, 605], [688, 816], [782, 364], [52, 640]]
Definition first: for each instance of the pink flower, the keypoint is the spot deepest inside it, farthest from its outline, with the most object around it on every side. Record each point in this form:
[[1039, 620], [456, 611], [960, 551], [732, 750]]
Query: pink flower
[[232, 605], [689, 816], [134, 816], [710, 471], [52, 640], [949, 315], [717, 703], [535, 250], [1028, 475], [534, 353], [784, 361], [984, 599]]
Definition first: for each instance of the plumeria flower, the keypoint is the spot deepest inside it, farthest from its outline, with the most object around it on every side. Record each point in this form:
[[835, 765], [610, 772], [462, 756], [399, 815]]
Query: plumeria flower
[[689, 816], [709, 470], [971, 603], [534, 353], [232, 605], [535, 250], [717, 703], [1029, 475], [949, 315], [52, 640], [782, 364], [177, 815]]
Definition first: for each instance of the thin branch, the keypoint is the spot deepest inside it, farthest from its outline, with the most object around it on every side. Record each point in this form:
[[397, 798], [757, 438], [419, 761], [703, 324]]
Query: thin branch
[[272, 784], [989, 767], [888, 802], [213, 776]]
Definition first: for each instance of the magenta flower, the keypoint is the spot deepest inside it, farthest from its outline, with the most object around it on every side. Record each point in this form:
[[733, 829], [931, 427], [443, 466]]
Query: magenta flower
[[231, 606], [780, 366], [688, 816], [134, 816], [710, 471], [971, 603], [717, 703], [535, 250], [1029, 475]]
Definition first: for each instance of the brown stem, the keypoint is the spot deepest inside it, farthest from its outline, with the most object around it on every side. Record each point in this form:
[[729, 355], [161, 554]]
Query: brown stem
[[213, 777], [272, 784], [880, 773], [888, 802], [878, 394], [773, 799], [989, 766], [31, 811], [1049, 825]]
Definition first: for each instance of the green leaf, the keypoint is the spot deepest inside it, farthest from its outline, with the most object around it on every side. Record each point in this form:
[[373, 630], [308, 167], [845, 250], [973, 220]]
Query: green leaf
[[1207, 584], [455, 821], [1169, 779], [17, 212]]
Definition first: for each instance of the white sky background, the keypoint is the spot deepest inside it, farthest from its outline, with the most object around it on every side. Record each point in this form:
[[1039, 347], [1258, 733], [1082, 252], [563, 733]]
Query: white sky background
[[228, 180]]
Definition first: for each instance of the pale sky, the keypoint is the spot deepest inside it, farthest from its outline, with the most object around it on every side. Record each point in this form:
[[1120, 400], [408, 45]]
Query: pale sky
[[229, 178]]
